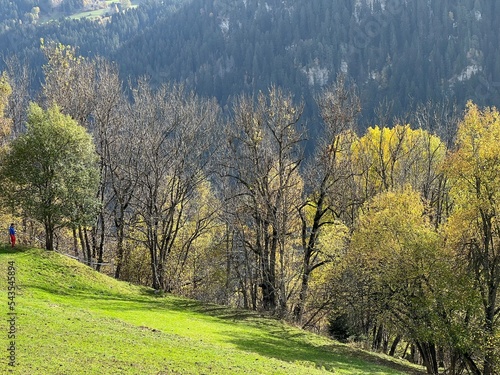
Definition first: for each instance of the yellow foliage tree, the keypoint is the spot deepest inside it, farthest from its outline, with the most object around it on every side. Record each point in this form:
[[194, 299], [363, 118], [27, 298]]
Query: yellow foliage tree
[[474, 226], [395, 251], [390, 158], [5, 123]]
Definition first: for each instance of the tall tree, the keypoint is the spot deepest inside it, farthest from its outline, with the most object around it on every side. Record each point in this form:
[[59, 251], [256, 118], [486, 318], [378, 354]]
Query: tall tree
[[264, 157], [474, 172], [5, 123], [50, 171], [387, 159], [90, 91], [70, 83], [175, 131], [397, 253], [112, 135], [328, 180]]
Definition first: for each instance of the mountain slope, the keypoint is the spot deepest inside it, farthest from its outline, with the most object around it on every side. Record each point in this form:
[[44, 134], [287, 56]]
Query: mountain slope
[[71, 320], [405, 52]]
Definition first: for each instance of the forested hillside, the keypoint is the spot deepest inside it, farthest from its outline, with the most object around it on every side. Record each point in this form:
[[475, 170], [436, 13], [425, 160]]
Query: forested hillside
[[181, 159], [405, 52]]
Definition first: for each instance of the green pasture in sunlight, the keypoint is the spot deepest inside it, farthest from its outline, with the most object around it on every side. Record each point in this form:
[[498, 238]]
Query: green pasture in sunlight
[[100, 12], [70, 319]]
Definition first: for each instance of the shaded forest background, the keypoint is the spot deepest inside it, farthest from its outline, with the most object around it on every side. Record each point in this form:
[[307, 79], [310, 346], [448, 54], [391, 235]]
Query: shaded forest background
[[399, 52]]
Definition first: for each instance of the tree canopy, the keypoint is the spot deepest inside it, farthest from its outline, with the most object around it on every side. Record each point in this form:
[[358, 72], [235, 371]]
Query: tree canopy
[[389, 237], [50, 171]]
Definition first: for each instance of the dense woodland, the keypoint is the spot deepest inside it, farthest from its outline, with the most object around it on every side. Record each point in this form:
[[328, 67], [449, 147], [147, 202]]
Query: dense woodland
[[388, 238], [403, 52], [201, 183]]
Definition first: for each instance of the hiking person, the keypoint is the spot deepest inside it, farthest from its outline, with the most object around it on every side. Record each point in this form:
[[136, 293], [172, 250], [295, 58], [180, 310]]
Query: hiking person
[[12, 234]]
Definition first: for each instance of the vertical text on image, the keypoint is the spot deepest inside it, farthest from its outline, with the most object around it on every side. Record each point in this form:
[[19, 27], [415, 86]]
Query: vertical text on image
[[11, 313]]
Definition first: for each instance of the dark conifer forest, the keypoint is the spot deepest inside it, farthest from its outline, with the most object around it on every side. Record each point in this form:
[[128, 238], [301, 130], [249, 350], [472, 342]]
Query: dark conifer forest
[[398, 52]]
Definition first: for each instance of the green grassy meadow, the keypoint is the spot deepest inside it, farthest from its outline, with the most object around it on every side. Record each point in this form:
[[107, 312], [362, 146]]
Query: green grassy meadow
[[70, 319], [98, 13]]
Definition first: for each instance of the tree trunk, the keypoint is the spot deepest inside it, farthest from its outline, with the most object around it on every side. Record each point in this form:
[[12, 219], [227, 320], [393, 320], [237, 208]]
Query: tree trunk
[[154, 260], [87, 246], [489, 355], [394, 345], [100, 246], [308, 245], [120, 233], [228, 266], [268, 296], [244, 293], [82, 242], [441, 357], [471, 365], [377, 337], [161, 278], [154, 274], [253, 295], [428, 352], [271, 278], [298, 311], [120, 252], [267, 265], [75, 242], [385, 342], [49, 237], [119, 256], [266, 285]]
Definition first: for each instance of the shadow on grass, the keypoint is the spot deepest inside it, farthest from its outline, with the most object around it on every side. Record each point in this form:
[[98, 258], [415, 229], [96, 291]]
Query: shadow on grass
[[81, 297], [7, 249], [217, 311], [283, 348], [290, 346], [269, 338], [274, 339]]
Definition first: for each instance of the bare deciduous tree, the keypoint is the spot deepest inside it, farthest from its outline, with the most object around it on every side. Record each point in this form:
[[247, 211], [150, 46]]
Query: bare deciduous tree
[[328, 179], [112, 137], [175, 131], [264, 156], [20, 78]]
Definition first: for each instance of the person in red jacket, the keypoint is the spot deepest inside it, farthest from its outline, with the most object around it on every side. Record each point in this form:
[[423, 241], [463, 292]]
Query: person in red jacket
[[12, 233]]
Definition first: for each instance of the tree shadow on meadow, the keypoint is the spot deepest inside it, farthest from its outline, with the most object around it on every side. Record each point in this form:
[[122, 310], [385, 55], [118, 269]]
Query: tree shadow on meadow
[[7, 249], [290, 346], [269, 337], [272, 338]]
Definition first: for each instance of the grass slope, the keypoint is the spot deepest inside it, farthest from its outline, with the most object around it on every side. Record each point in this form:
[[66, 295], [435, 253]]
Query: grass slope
[[73, 320]]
